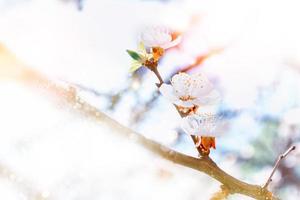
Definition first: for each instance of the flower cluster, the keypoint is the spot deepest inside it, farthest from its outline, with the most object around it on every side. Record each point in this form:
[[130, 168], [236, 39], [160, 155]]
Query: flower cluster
[[153, 43], [189, 93]]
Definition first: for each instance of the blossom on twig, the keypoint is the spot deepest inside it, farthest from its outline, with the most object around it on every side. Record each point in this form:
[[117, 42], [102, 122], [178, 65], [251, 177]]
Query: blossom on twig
[[153, 42]]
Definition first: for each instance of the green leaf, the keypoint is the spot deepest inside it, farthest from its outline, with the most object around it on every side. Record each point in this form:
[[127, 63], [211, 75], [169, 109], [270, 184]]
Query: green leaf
[[134, 55]]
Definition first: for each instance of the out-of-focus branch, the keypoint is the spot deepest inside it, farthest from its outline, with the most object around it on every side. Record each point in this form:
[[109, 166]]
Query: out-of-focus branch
[[201, 58], [280, 157], [69, 96], [21, 184]]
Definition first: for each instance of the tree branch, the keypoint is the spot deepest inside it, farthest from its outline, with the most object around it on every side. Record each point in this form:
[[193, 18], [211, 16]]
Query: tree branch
[[11, 68], [203, 164]]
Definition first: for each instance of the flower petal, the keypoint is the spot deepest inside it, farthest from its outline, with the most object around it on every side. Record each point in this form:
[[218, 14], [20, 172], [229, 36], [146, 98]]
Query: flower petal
[[211, 98], [168, 92], [172, 43], [156, 36], [189, 125], [202, 125], [181, 84], [135, 66], [141, 48], [147, 38], [162, 39], [200, 85]]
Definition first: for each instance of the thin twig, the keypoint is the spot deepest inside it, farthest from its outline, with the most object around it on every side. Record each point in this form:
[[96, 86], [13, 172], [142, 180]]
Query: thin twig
[[157, 74], [280, 157]]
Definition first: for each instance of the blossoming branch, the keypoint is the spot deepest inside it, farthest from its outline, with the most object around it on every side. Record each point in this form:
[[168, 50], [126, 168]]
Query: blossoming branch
[[189, 93]]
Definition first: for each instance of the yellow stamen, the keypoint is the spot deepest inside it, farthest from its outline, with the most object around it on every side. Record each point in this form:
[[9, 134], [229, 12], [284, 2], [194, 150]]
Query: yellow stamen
[[186, 98], [157, 53]]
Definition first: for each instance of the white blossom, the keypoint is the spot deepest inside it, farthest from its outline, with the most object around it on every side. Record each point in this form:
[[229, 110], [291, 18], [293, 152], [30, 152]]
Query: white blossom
[[159, 37], [190, 90], [202, 125]]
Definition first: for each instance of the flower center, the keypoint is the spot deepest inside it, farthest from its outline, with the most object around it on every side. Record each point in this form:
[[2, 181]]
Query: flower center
[[157, 53], [187, 98], [187, 111]]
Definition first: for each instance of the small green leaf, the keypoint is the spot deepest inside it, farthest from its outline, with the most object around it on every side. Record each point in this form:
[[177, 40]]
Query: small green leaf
[[134, 55]]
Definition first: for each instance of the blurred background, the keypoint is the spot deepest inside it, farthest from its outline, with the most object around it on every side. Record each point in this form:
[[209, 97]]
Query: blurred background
[[249, 49]]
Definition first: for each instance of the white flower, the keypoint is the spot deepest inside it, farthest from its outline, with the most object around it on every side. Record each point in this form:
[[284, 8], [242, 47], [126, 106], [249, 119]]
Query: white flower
[[202, 125], [190, 90], [159, 37]]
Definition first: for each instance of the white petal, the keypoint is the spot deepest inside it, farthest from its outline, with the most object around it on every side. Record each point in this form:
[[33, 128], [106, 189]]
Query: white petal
[[162, 37], [172, 43], [189, 126], [155, 36], [211, 108], [202, 125], [168, 92], [148, 36], [181, 84], [200, 85], [148, 39], [211, 98]]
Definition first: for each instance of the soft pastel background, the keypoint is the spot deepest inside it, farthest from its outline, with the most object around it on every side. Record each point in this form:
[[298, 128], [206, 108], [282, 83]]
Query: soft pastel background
[[48, 153]]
